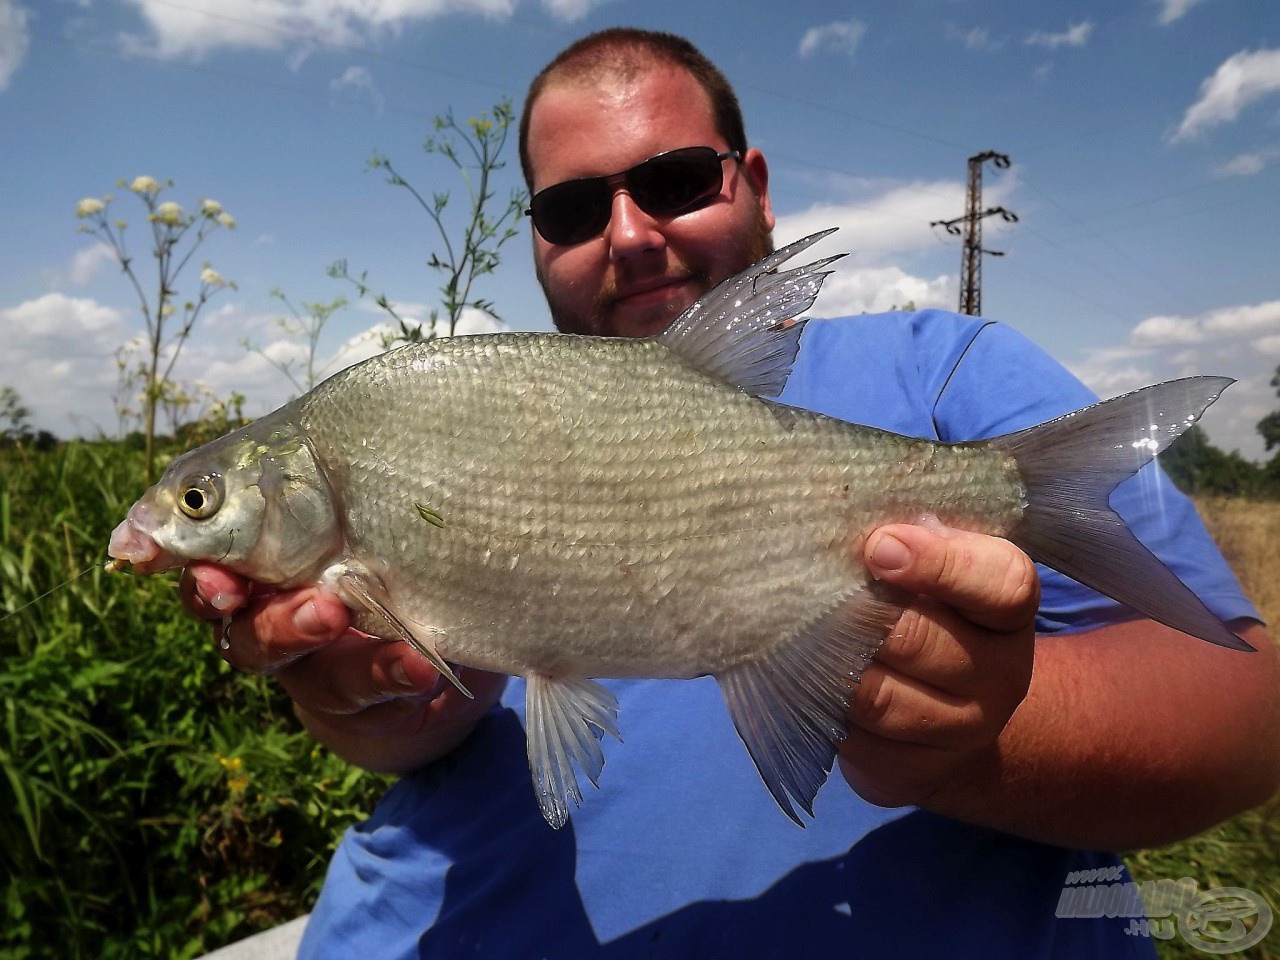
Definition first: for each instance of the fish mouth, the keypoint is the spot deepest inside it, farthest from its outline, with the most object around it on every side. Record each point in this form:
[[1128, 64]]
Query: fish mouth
[[131, 543]]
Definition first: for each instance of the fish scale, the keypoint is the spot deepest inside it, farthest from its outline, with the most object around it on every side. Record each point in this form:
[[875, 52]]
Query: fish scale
[[565, 508]]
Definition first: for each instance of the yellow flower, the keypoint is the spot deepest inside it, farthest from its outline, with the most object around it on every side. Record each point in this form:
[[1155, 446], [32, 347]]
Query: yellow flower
[[89, 207], [144, 185], [168, 213]]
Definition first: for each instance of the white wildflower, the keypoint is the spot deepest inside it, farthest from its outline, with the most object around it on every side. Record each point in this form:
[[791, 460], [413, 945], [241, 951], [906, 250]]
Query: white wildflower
[[168, 213], [146, 185], [212, 277], [89, 206], [210, 208], [227, 220]]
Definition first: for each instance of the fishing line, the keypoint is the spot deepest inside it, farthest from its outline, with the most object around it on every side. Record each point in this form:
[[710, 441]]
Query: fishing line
[[110, 566]]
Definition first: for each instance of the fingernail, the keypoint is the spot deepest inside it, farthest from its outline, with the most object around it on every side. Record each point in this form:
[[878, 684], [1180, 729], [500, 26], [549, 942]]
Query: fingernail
[[306, 620], [891, 553], [399, 675]]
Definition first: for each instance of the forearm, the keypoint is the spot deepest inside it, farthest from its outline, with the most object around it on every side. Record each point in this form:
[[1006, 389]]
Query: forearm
[[1132, 735], [402, 735]]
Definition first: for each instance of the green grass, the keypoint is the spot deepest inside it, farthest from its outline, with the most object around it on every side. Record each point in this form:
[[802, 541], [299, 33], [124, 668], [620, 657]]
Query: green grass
[[153, 802]]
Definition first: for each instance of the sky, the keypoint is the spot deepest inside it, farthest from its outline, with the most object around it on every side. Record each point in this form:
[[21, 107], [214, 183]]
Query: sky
[[1144, 139]]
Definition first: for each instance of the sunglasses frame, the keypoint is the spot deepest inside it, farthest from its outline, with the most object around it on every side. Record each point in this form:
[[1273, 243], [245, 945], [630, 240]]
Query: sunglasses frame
[[625, 178]]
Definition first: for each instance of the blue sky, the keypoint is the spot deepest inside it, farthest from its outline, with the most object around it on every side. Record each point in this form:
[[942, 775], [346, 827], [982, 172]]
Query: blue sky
[[1144, 135]]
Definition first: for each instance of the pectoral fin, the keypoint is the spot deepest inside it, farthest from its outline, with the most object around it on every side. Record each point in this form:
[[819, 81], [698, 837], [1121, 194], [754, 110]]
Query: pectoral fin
[[790, 708], [368, 594], [565, 719]]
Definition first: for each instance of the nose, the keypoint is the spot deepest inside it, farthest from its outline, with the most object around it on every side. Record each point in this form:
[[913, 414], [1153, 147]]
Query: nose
[[631, 232]]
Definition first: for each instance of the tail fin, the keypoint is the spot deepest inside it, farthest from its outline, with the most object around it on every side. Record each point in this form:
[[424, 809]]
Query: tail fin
[[1070, 466]]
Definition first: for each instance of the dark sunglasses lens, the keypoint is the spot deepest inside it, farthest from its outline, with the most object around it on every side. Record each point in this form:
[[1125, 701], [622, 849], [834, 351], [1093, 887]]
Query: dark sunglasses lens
[[676, 181], [571, 212]]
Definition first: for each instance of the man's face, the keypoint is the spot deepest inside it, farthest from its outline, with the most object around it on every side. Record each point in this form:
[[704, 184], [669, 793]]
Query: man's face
[[642, 271]]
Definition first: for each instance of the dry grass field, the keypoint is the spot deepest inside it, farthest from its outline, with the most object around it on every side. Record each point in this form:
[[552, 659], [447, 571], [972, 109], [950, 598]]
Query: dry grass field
[[1248, 531], [1244, 852]]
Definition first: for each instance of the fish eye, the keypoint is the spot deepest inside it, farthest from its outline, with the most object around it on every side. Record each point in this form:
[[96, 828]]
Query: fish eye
[[201, 496]]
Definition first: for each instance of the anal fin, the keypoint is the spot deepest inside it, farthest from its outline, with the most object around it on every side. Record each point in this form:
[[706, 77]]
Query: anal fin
[[369, 595], [565, 719], [790, 709]]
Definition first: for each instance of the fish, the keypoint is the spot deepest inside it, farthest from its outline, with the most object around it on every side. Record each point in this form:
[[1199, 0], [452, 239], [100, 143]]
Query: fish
[[568, 508]]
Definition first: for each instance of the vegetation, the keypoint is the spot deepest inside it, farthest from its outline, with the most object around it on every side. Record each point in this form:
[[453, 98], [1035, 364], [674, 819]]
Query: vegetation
[[475, 152], [155, 802], [170, 226], [1200, 468]]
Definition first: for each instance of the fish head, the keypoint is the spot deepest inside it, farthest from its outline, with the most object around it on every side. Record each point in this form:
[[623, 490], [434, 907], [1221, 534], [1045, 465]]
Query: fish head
[[255, 501]]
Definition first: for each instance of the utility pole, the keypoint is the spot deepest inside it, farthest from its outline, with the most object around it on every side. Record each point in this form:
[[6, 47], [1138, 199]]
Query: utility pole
[[971, 254]]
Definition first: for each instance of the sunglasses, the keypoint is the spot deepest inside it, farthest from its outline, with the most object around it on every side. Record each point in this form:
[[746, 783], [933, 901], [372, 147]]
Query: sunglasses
[[663, 186]]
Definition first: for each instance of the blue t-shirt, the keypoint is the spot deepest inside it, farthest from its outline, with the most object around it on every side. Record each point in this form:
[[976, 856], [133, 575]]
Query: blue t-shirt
[[682, 852]]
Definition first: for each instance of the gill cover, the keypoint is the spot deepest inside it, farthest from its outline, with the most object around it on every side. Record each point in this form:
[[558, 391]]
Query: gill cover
[[255, 501]]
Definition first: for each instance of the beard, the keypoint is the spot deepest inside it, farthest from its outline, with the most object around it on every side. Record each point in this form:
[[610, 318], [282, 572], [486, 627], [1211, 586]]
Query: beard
[[753, 244]]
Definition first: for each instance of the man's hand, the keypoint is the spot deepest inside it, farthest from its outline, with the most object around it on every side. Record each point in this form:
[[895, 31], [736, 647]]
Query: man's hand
[[378, 704], [954, 668]]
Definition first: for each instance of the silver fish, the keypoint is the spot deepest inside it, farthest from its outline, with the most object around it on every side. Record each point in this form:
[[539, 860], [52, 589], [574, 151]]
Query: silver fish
[[563, 508]]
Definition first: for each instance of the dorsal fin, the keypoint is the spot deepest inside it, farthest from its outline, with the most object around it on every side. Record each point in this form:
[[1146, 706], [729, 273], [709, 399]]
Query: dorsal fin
[[747, 330]]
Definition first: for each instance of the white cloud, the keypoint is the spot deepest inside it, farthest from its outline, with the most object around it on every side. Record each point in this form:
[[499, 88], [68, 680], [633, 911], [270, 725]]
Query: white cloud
[[842, 36], [195, 27], [58, 355], [1239, 81], [1240, 341], [882, 220], [1247, 164], [1227, 322], [1171, 10], [86, 262], [14, 39], [1074, 36], [359, 81]]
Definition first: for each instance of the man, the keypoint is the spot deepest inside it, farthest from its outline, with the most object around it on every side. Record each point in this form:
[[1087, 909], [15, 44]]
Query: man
[[1122, 733]]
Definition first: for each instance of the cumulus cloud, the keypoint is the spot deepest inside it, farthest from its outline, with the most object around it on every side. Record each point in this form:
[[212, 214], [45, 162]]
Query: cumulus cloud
[[1241, 341], [885, 228], [841, 36], [882, 220], [14, 39], [1240, 80], [359, 82], [1075, 35], [1171, 10], [58, 356], [195, 27]]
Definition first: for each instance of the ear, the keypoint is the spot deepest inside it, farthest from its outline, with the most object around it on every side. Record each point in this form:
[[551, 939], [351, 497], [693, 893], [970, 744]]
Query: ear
[[757, 172]]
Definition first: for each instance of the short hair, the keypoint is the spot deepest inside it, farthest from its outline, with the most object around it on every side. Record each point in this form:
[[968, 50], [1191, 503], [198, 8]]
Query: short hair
[[626, 52]]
